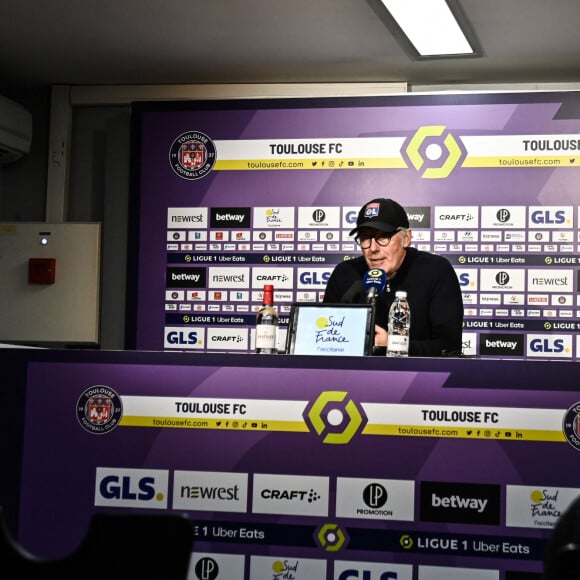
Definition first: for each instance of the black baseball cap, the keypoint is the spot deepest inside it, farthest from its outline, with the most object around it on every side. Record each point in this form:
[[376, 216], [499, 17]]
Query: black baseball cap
[[382, 214]]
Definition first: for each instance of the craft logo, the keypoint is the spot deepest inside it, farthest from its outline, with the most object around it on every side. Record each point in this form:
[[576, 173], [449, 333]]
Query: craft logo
[[292, 495], [99, 409], [192, 155], [571, 426]]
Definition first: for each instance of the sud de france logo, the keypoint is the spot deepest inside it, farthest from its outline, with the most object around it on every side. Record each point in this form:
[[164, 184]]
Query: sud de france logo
[[192, 155]]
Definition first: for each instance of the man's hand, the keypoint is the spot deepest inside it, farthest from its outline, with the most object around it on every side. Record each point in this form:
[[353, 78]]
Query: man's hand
[[380, 336]]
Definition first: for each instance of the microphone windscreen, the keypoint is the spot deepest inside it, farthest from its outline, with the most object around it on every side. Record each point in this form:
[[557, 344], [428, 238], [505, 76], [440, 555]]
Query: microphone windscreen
[[355, 294], [375, 278]]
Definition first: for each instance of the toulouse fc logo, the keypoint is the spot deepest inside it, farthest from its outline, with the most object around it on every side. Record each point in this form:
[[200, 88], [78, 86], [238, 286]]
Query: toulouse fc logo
[[192, 155], [571, 425], [99, 409]]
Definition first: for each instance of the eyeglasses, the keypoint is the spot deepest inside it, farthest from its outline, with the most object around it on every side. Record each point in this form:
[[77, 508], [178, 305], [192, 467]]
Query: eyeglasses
[[382, 239]]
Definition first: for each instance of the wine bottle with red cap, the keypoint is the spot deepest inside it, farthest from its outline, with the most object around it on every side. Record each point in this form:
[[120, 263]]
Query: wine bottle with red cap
[[267, 321]]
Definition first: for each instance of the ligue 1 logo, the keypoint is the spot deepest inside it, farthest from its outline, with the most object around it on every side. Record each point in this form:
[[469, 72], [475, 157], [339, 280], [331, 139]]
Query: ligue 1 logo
[[192, 155]]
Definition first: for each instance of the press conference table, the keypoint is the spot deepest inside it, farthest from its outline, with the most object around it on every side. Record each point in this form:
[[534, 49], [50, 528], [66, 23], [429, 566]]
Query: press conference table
[[324, 422]]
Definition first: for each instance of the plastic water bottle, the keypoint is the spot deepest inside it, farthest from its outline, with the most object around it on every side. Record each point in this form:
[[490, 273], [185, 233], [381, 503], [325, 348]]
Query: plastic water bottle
[[399, 325], [267, 321]]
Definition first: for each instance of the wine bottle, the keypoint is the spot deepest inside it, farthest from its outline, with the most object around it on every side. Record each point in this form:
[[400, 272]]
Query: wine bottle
[[267, 321]]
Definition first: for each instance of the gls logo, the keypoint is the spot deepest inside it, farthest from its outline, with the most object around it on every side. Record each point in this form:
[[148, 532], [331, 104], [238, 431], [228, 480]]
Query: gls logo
[[467, 278], [549, 216], [366, 575], [542, 345], [345, 570], [315, 278], [143, 488], [181, 337], [350, 217], [184, 338]]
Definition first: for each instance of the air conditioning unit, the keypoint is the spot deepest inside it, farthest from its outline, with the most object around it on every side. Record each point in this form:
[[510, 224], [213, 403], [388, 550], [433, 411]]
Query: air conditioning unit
[[15, 130]]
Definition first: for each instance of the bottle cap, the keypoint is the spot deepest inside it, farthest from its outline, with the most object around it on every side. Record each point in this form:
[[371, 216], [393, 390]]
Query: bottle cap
[[401, 294]]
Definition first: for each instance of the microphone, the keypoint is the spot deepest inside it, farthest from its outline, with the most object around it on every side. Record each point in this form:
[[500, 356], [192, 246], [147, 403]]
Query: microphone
[[374, 282], [355, 294]]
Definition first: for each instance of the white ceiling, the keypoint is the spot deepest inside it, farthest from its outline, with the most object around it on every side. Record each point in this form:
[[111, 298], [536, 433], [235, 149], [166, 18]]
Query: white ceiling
[[106, 42]]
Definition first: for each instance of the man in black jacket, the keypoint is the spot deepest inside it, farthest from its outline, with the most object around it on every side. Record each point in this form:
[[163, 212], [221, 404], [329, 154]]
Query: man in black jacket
[[382, 232]]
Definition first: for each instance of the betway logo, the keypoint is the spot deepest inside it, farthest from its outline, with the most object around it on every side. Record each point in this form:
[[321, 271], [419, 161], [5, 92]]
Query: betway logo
[[462, 503], [229, 217], [458, 502], [186, 277], [501, 344]]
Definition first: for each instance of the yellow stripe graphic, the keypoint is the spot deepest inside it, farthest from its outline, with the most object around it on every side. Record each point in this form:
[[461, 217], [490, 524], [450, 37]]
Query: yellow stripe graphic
[[519, 161], [222, 424], [487, 434], [302, 164]]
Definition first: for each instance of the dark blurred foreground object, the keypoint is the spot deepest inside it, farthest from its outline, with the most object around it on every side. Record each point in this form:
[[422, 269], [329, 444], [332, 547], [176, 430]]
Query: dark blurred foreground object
[[562, 559], [116, 546]]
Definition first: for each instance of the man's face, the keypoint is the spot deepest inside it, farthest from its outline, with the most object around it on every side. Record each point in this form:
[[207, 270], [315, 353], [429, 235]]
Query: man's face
[[385, 251]]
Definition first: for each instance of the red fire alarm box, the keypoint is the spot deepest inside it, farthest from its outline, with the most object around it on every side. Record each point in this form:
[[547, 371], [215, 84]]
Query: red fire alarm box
[[41, 270]]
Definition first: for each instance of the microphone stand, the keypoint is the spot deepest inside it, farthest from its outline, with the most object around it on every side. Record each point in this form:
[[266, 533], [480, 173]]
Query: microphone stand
[[372, 296]]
